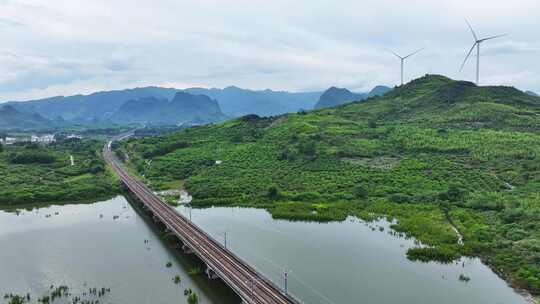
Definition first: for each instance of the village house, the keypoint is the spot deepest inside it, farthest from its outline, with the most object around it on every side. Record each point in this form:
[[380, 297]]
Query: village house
[[44, 139], [9, 140], [74, 136]]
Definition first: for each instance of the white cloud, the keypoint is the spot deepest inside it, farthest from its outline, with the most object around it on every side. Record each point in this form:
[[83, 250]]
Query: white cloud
[[75, 46]]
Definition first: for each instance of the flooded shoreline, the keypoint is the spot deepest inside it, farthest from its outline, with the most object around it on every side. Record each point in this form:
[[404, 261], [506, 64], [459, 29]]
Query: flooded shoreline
[[112, 244]]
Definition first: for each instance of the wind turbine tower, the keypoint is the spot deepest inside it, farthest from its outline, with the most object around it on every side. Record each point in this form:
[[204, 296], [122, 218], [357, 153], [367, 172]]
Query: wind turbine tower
[[403, 61], [476, 44]]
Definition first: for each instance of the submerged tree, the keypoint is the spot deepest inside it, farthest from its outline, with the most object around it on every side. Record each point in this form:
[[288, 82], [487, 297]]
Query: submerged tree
[[193, 298]]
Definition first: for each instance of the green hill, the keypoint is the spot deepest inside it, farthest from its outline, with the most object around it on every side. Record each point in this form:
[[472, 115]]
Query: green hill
[[435, 154]]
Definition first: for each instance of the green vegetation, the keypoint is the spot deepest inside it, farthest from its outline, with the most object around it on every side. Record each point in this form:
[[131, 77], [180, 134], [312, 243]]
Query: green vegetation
[[464, 278], [62, 294], [36, 173], [17, 299], [192, 297], [436, 155], [195, 270]]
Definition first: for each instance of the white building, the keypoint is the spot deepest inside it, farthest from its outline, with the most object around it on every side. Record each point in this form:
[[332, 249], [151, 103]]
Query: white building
[[10, 140], [44, 139], [74, 136]]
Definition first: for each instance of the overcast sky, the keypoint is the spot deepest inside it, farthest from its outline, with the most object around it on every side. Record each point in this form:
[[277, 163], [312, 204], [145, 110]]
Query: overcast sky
[[65, 47]]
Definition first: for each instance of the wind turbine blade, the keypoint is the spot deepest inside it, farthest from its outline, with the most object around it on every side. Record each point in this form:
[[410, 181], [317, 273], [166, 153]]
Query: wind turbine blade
[[413, 53], [395, 54], [472, 31], [492, 37], [468, 54]]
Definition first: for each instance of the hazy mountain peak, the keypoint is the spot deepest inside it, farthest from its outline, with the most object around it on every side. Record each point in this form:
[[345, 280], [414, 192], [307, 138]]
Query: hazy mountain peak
[[7, 109], [335, 96], [183, 107], [235, 101], [379, 90], [10, 118]]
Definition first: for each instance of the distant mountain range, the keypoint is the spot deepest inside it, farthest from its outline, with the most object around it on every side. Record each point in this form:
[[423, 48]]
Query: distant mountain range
[[236, 102], [86, 108], [156, 105], [336, 96], [184, 107], [10, 118], [531, 93]]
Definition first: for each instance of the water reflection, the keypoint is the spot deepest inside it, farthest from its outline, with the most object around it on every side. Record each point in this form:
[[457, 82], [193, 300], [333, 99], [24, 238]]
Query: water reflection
[[348, 262]]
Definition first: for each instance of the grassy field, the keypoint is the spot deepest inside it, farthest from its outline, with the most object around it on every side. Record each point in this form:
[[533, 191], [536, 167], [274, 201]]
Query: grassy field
[[433, 154], [44, 174]]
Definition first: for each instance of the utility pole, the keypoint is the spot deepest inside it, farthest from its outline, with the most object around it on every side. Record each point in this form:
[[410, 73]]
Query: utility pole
[[285, 277]]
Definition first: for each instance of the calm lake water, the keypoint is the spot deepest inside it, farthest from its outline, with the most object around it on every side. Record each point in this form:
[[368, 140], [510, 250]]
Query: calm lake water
[[80, 249], [348, 262], [345, 262]]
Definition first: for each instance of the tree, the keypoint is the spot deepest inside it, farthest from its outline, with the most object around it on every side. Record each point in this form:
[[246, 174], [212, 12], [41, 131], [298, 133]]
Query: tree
[[193, 298], [453, 194], [273, 192], [308, 148], [360, 192]]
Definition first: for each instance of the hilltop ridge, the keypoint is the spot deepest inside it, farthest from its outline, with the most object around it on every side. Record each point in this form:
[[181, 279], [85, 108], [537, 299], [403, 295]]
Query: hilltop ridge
[[439, 100]]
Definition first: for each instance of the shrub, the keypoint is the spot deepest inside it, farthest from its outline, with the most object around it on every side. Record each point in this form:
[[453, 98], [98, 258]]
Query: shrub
[[193, 298], [486, 201], [360, 192], [512, 215], [287, 154], [165, 148], [308, 149], [428, 254], [400, 198], [306, 196], [29, 157], [516, 234], [273, 192], [453, 194]]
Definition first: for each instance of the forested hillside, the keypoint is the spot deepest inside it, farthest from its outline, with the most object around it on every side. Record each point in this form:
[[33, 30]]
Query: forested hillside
[[436, 154]]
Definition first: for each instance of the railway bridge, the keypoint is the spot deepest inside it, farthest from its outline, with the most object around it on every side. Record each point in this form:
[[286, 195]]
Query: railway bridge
[[252, 286]]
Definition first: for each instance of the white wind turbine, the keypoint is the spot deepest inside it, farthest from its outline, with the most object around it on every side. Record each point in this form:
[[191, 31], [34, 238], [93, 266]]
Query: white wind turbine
[[476, 44], [403, 61]]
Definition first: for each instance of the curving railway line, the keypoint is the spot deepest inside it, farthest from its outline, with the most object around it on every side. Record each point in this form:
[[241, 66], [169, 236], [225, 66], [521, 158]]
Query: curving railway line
[[249, 284]]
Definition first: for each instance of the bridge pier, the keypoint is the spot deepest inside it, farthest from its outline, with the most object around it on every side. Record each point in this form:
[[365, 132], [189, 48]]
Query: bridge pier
[[212, 275], [186, 249]]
